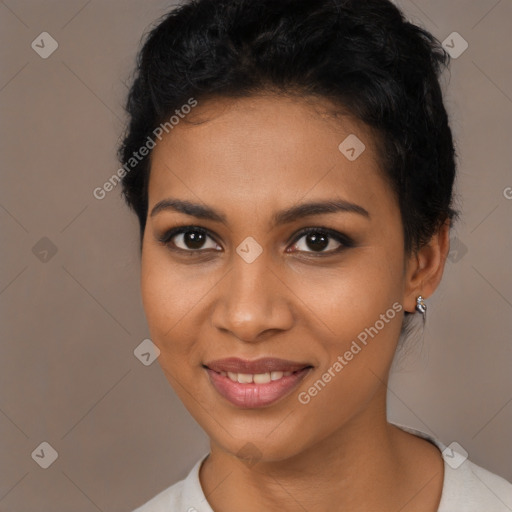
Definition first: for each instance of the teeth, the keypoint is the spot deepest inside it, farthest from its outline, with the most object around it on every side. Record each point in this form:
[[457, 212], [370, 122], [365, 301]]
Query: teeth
[[258, 378], [261, 378], [244, 378]]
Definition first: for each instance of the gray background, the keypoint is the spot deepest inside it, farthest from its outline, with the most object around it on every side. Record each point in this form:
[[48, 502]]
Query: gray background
[[70, 321]]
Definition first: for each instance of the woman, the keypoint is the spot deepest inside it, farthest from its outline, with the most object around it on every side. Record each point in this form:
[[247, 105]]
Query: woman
[[291, 166]]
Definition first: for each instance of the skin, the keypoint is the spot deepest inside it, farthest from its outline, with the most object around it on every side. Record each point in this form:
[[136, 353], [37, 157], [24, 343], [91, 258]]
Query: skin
[[248, 159]]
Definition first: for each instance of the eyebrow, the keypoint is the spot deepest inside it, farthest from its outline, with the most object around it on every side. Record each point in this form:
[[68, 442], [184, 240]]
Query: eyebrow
[[282, 217]]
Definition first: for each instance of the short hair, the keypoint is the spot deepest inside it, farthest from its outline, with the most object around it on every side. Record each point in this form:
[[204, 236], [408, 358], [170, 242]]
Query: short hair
[[363, 55]]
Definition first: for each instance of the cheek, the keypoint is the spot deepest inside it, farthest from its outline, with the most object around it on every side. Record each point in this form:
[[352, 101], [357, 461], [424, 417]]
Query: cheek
[[177, 307], [168, 296], [352, 296], [360, 303], [171, 298]]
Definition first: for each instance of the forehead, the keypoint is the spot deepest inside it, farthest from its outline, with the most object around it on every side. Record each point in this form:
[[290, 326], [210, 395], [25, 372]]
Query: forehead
[[267, 149]]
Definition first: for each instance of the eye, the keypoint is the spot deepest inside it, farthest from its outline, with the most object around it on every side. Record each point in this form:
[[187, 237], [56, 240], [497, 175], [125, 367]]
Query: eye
[[314, 240], [188, 239], [321, 241]]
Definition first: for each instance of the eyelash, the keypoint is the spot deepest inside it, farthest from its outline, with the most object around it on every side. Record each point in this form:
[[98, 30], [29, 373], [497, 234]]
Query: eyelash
[[344, 241]]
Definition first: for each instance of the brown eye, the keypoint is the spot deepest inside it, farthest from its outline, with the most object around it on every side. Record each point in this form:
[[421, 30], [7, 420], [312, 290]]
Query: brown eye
[[193, 239], [321, 241], [189, 239]]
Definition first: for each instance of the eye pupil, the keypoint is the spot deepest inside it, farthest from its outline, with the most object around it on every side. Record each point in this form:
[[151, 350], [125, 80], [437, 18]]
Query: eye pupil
[[317, 241], [194, 239]]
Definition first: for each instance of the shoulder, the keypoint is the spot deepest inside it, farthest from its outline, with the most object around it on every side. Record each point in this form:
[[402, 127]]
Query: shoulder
[[183, 496], [169, 499], [467, 487], [471, 488]]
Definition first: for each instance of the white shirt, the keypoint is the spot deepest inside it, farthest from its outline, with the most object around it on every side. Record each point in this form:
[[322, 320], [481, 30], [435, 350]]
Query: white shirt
[[466, 487]]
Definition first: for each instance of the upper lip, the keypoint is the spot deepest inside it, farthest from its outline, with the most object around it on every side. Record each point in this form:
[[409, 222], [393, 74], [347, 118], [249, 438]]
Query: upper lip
[[262, 365]]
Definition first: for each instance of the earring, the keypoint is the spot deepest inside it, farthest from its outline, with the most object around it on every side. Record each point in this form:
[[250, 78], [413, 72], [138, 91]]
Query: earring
[[421, 307]]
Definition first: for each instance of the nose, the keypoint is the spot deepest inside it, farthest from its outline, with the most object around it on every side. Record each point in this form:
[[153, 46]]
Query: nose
[[253, 302]]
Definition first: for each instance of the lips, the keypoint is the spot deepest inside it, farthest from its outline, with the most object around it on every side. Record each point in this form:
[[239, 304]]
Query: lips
[[253, 384]]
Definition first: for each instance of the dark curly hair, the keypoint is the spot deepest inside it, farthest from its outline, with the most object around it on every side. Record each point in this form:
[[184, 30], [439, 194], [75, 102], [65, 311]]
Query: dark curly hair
[[361, 54]]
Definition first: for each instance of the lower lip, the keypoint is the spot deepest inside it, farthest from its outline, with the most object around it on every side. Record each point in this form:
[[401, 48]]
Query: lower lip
[[252, 396]]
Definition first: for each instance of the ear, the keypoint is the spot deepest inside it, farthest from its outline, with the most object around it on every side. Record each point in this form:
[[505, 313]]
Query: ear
[[425, 267]]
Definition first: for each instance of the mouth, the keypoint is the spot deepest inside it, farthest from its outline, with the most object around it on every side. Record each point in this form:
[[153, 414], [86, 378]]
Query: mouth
[[255, 384]]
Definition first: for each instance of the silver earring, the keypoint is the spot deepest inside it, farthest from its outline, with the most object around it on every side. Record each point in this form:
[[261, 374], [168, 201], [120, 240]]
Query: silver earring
[[421, 307]]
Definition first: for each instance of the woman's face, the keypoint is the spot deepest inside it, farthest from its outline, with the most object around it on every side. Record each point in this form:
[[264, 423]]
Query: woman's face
[[244, 281]]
